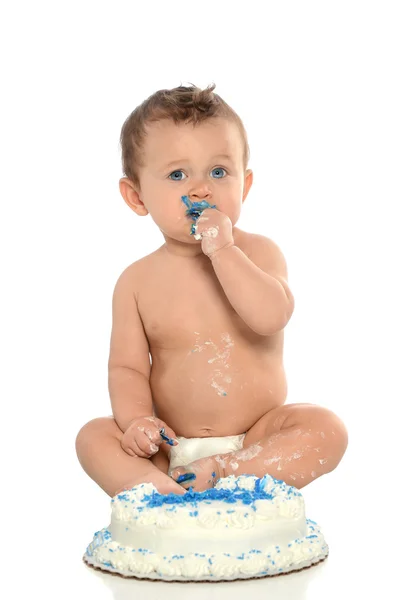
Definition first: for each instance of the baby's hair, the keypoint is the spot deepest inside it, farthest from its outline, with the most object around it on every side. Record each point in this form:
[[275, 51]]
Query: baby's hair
[[181, 104]]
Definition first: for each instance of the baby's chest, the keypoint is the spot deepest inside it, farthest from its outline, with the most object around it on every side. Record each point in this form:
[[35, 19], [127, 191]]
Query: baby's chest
[[178, 314]]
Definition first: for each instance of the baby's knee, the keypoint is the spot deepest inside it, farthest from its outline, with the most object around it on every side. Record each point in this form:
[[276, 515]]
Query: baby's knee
[[337, 430], [94, 431], [332, 435]]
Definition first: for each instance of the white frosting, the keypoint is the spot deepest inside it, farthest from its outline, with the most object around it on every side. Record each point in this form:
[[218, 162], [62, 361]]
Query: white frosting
[[209, 539]]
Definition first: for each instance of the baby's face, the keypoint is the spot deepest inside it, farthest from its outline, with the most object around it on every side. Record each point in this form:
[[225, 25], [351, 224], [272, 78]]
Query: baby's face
[[203, 162]]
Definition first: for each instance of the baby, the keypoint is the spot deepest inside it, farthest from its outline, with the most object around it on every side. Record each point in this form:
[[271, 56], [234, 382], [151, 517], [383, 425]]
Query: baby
[[196, 376]]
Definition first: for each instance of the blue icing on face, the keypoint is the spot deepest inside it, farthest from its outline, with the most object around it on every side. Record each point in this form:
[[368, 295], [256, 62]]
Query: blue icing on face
[[195, 209]]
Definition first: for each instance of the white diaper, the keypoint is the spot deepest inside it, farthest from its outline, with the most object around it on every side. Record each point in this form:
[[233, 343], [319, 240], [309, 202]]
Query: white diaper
[[190, 449]]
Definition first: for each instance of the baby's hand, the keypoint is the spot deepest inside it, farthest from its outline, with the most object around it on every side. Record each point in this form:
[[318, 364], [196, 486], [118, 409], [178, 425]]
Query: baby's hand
[[216, 231], [142, 437]]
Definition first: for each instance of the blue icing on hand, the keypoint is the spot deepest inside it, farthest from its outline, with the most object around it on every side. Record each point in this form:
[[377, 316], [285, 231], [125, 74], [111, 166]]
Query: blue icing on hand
[[167, 439]]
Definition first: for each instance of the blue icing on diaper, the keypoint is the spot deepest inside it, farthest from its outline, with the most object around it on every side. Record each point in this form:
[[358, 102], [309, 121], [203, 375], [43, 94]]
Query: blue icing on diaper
[[195, 209]]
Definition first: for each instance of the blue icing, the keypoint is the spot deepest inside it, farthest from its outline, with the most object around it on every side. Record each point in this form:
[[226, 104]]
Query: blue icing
[[186, 477], [123, 497], [99, 538], [195, 209], [191, 497], [163, 435]]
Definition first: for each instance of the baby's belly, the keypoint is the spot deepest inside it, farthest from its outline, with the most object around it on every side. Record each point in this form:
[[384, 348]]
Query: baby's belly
[[206, 393]]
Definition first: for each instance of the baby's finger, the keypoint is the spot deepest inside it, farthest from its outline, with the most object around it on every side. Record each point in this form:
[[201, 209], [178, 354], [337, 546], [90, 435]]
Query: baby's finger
[[153, 434], [186, 480], [168, 431], [145, 444], [131, 448]]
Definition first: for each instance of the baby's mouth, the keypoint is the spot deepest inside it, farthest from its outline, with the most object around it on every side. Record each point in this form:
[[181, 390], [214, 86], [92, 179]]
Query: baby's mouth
[[194, 211]]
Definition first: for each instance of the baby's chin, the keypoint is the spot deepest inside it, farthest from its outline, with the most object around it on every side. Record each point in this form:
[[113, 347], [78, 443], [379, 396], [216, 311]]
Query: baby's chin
[[181, 237], [183, 245]]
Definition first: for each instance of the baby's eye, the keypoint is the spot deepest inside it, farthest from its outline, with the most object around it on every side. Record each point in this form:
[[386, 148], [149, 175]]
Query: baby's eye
[[218, 170], [175, 178]]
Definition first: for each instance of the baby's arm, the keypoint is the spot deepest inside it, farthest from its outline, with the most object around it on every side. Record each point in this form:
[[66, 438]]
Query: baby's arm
[[129, 370], [129, 362]]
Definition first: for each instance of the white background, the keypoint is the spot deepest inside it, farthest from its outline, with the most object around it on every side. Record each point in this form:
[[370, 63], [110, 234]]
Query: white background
[[316, 85]]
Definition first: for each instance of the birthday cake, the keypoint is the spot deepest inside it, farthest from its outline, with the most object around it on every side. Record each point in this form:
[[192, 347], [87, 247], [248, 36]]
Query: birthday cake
[[242, 528]]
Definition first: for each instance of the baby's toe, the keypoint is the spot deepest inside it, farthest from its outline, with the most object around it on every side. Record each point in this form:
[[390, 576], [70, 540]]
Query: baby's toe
[[183, 476], [200, 474]]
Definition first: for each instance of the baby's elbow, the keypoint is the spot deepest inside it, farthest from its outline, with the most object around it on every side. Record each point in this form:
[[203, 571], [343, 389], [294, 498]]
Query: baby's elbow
[[287, 314], [279, 324]]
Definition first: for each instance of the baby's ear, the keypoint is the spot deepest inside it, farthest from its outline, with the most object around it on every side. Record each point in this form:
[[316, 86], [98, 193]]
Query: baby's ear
[[131, 197], [248, 180]]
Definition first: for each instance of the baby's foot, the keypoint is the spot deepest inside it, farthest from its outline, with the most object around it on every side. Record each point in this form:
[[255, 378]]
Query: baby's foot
[[161, 481], [207, 472]]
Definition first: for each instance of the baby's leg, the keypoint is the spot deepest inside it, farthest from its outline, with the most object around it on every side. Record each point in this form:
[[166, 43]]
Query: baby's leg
[[294, 442], [102, 457]]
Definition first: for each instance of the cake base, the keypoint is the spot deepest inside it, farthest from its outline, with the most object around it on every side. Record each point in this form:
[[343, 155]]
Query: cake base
[[116, 574], [298, 555]]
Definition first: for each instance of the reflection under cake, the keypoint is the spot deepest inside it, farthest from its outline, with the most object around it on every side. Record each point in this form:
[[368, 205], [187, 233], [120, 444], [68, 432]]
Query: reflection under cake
[[244, 527]]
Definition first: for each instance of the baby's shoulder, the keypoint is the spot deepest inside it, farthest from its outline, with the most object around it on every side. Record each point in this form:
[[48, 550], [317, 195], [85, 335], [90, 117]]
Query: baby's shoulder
[[137, 272], [255, 243]]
